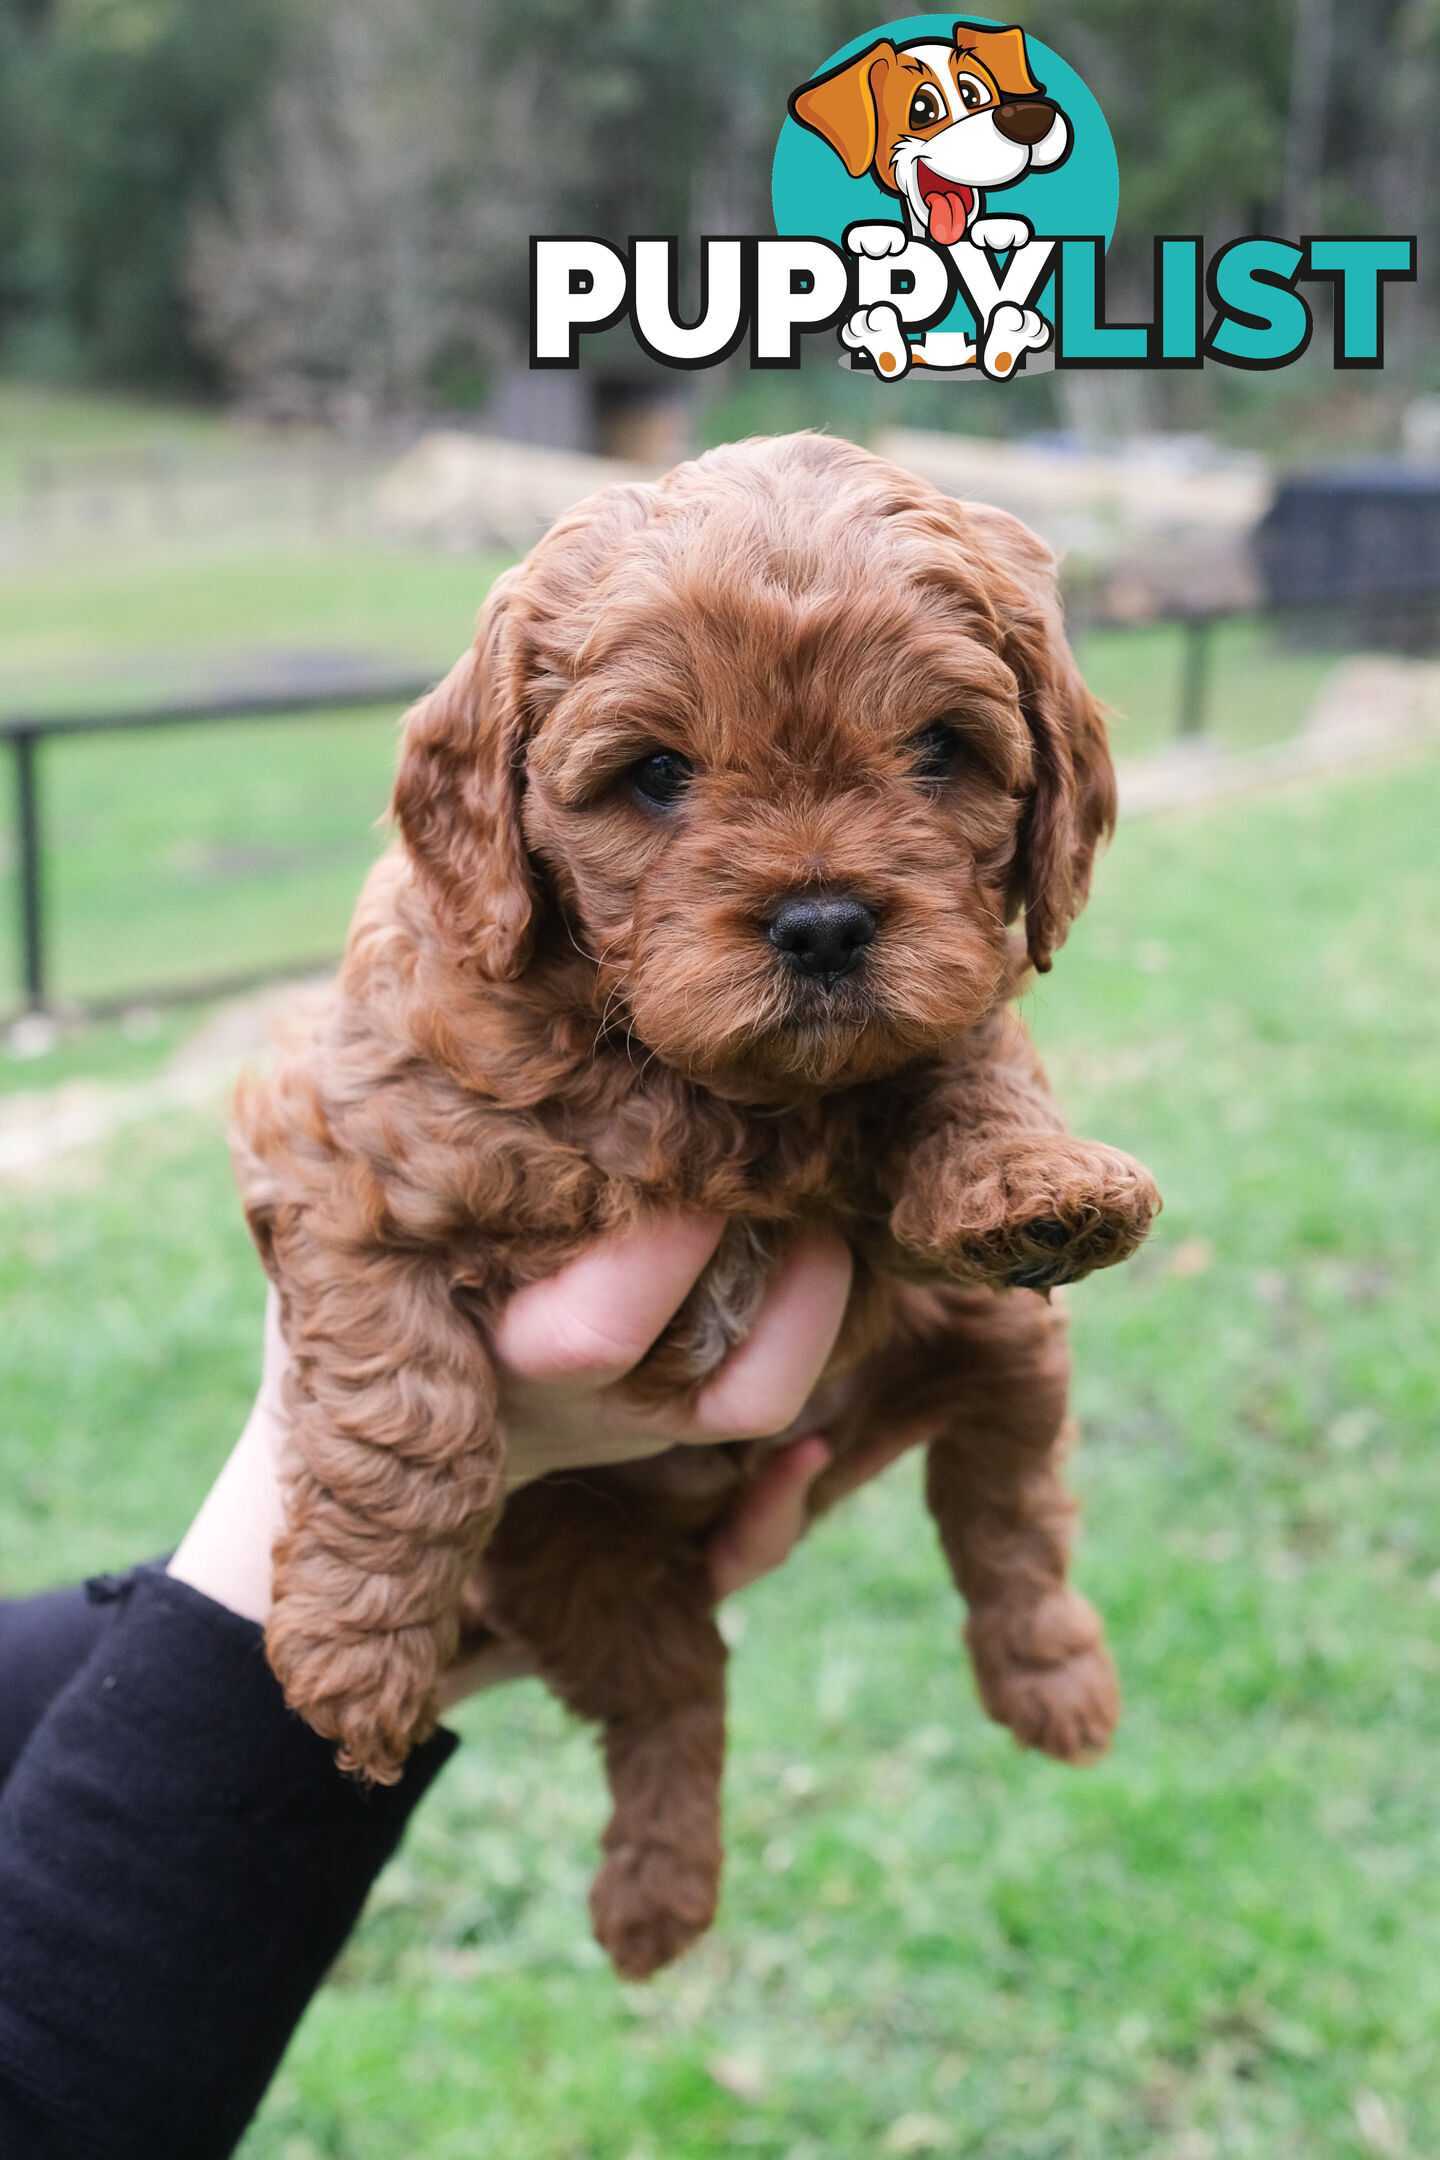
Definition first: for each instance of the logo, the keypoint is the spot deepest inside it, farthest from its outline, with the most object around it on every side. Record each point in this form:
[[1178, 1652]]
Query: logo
[[945, 193], [933, 153]]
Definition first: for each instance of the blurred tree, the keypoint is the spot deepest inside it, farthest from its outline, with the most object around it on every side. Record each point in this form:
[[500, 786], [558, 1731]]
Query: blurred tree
[[22, 167], [358, 178], [373, 242], [1235, 116], [351, 263], [116, 114]]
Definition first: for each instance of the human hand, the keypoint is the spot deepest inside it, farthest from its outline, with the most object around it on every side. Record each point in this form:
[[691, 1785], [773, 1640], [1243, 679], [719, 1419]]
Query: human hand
[[563, 1348]]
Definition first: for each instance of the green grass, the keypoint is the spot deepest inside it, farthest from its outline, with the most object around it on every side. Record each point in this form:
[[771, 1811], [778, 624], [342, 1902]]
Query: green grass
[[1259, 690], [180, 855], [135, 626], [38, 418], [183, 853], [1221, 1941]]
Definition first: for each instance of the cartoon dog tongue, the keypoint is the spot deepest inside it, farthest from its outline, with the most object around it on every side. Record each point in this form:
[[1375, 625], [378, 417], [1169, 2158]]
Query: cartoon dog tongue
[[949, 211]]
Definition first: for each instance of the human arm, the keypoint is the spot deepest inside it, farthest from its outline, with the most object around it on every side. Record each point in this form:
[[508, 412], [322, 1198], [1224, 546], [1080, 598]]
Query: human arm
[[179, 1858], [563, 1348]]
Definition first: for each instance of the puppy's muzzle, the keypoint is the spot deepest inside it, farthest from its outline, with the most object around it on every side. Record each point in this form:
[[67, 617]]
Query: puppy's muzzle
[[1025, 120], [822, 937]]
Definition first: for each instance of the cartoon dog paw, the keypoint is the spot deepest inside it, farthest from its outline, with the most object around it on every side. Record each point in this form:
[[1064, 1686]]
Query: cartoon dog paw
[[878, 332], [1010, 333], [877, 241], [1000, 234]]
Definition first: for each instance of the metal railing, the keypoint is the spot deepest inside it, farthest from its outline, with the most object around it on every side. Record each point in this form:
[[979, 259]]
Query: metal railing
[[179, 489], [341, 697], [1196, 657], [25, 733]]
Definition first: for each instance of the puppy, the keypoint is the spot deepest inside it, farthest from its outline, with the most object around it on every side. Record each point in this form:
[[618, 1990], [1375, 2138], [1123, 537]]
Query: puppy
[[708, 849], [939, 126]]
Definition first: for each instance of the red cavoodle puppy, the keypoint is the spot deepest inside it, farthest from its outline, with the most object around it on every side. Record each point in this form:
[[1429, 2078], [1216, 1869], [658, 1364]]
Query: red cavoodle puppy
[[708, 849]]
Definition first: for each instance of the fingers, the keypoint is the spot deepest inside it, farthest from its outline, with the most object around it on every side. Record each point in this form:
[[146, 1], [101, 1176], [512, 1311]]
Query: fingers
[[595, 1320], [565, 1345], [769, 1519], [772, 1514], [767, 1380]]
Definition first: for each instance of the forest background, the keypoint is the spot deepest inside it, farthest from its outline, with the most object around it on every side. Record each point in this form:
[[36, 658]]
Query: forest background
[[321, 207]]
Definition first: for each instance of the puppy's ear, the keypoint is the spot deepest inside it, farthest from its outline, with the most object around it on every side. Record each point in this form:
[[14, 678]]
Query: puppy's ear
[[457, 797], [843, 107], [1072, 803], [1002, 53]]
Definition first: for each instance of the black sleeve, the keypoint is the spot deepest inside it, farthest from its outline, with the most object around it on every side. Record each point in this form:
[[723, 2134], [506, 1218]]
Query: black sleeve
[[43, 1643], [180, 1861]]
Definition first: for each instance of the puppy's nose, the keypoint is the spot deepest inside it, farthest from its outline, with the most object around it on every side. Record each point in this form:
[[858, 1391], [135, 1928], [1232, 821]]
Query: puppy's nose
[[1025, 120], [823, 937]]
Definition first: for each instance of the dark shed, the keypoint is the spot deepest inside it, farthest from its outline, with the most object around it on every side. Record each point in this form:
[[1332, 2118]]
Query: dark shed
[[1363, 540]]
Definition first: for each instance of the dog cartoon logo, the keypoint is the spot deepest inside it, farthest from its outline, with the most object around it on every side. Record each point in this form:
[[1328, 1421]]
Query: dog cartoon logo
[[941, 126], [922, 213]]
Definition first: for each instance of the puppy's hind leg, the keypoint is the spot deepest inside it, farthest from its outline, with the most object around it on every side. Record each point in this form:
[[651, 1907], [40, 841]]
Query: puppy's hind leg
[[617, 1610]]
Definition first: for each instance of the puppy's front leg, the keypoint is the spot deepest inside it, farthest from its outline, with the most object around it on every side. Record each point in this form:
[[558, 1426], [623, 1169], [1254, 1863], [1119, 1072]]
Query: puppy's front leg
[[983, 1377], [1006, 1522], [392, 1482], [996, 1192]]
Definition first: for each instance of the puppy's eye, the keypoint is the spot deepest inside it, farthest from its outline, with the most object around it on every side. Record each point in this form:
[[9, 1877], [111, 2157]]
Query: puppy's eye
[[934, 752], [925, 108], [662, 778], [973, 94]]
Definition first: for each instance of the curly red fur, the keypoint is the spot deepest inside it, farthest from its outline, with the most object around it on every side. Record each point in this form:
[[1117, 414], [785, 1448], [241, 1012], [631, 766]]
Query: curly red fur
[[560, 1009]]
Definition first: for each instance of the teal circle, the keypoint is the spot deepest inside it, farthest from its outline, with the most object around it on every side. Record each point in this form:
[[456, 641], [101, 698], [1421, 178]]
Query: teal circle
[[812, 193]]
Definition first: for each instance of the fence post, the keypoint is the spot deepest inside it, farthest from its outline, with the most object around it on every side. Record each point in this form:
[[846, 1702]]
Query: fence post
[[27, 826], [1195, 673]]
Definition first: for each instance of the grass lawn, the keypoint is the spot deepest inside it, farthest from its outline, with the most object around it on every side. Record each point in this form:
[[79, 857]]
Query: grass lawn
[[40, 419], [1259, 690], [177, 854], [123, 630], [1223, 1940]]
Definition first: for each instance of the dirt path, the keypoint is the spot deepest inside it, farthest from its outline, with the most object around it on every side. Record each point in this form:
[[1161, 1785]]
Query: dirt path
[[1370, 710], [37, 1126]]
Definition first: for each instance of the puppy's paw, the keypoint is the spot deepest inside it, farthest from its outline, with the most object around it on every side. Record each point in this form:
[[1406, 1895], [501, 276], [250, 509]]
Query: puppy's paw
[[1000, 234], [1010, 333], [372, 1741], [1044, 1211], [875, 242], [878, 331], [649, 1903], [374, 1696], [1045, 1672]]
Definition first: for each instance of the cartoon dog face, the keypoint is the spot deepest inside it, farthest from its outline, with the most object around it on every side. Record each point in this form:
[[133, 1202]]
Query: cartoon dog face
[[938, 124]]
